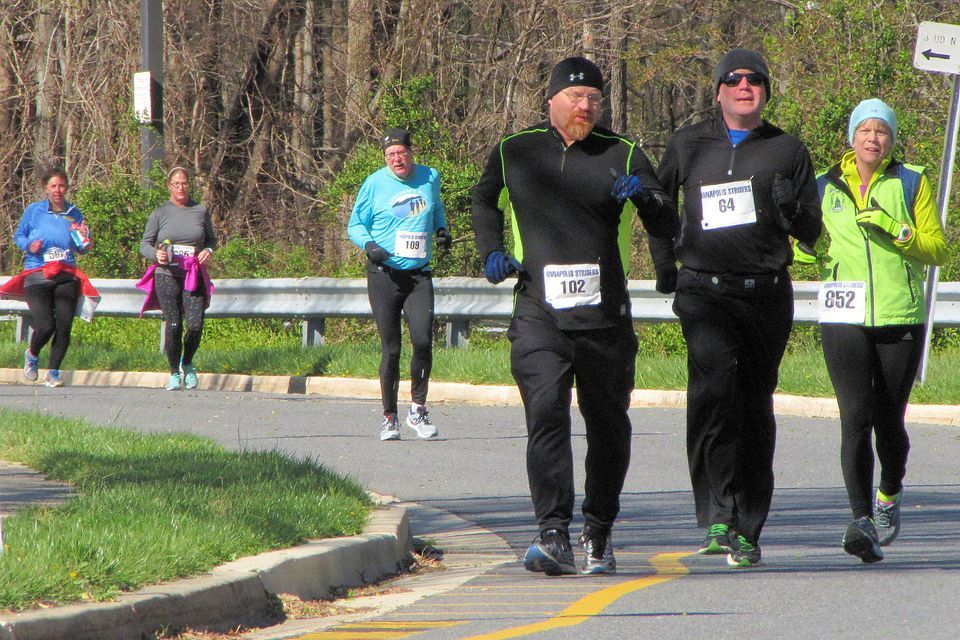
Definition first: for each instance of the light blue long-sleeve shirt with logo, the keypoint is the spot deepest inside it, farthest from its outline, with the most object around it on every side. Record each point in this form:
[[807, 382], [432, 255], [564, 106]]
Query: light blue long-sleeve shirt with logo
[[398, 214]]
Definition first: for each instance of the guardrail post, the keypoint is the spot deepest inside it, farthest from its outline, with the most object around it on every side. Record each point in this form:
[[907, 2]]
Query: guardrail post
[[458, 332], [312, 331], [24, 329]]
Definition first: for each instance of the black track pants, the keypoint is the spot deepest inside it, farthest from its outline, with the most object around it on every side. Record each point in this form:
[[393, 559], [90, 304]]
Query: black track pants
[[52, 305], [546, 362], [736, 331], [391, 291], [180, 307], [872, 370]]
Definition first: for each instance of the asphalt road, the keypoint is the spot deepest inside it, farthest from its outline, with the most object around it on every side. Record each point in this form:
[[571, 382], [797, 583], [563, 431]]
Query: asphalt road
[[807, 587]]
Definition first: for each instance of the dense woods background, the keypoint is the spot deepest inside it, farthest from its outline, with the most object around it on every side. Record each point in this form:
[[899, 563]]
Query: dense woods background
[[276, 104]]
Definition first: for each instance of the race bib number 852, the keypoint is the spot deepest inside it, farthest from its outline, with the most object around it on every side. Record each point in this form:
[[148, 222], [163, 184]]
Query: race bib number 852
[[842, 302]]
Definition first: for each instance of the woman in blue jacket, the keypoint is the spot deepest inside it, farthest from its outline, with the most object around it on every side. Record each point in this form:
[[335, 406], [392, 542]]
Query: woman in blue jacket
[[51, 233]]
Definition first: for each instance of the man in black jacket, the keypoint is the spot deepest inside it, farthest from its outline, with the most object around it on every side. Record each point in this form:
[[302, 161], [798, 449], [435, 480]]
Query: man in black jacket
[[568, 182], [747, 186]]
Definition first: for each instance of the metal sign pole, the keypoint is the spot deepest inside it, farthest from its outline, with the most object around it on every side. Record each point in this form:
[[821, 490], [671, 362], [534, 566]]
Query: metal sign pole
[[943, 202]]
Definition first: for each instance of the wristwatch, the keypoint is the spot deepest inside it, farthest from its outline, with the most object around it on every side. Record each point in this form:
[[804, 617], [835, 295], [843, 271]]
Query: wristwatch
[[904, 234]]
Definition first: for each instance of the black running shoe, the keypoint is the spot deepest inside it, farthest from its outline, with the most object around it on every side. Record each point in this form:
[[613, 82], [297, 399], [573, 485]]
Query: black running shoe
[[744, 554], [552, 555], [887, 519], [717, 541], [861, 540], [597, 552]]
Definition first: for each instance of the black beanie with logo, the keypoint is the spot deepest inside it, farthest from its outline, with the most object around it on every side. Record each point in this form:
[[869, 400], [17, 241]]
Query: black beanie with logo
[[574, 72]]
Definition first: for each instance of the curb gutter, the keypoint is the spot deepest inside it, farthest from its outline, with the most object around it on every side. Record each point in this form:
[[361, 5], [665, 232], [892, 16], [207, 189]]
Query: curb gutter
[[239, 592]]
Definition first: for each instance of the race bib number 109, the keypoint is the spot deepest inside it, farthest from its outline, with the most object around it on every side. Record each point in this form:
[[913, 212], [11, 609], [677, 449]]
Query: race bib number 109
[[411, 244]]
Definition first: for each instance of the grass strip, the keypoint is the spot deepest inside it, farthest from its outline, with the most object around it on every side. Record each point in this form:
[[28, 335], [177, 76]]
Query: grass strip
[[151, 508]]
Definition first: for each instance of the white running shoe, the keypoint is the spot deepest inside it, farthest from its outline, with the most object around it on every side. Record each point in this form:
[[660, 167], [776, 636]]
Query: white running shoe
[[419, 421], [31, 364]]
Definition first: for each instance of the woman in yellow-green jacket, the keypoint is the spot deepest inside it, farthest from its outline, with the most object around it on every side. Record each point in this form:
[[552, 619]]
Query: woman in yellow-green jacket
[[881, 223]]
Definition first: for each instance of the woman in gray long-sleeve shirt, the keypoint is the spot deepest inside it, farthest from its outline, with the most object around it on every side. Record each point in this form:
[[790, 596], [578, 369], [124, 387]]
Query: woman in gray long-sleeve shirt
[[178, 237]]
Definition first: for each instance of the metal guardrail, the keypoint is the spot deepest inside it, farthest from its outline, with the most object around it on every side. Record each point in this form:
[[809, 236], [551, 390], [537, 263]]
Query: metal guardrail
[[458, 302]]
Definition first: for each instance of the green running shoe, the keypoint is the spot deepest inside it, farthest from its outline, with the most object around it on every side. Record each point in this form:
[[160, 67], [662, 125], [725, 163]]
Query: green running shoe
[[717, 541], [745, 553]]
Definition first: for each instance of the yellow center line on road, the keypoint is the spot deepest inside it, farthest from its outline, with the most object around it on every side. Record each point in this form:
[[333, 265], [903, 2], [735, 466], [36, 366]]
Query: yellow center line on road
[[668, 567]]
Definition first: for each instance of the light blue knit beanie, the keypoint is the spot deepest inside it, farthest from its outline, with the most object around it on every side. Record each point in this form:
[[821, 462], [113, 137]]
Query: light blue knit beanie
[[872, 108]]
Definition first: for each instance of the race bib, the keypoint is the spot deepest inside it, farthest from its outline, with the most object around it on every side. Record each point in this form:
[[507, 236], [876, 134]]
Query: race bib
[[55, 254], [181, 250], [842, 302], [571, 285], [727, 205], [411, 244]]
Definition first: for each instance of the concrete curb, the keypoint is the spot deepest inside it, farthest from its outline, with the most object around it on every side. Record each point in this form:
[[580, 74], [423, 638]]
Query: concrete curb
[[239, 592], [491, 395]]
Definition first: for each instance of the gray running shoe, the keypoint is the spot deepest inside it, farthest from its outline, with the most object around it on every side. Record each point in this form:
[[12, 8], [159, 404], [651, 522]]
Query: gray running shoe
[[597, 552], [887, 519], [551, 555], [861, 540], [390, 429]]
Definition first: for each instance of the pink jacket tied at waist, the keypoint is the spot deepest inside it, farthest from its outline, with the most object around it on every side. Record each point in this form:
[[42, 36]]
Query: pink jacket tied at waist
[[194, 271]]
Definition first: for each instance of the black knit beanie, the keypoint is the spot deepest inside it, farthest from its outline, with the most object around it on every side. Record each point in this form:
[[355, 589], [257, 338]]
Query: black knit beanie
[[573, 72], [394, 136], [741, 59]]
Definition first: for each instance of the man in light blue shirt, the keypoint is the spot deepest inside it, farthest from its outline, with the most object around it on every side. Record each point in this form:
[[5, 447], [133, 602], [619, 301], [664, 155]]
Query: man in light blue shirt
[[397, 213]]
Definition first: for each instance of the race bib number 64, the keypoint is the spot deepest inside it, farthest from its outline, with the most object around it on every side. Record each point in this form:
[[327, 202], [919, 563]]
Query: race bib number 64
[[727, 205]]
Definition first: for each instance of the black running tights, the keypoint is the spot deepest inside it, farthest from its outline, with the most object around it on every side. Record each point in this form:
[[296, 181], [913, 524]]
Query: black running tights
[[52, 305], [180, 307]]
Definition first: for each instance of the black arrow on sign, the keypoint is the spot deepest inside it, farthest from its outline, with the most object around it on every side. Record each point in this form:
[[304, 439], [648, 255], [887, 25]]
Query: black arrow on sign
[[930, 54]]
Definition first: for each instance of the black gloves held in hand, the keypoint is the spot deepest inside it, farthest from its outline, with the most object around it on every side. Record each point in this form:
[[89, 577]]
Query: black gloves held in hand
[[377, 254], [444, 239], [785, 196], [667, 279]]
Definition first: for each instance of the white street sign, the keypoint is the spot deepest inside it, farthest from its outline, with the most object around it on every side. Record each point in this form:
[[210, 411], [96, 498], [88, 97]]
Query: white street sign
[[142, 102], [938, 47]]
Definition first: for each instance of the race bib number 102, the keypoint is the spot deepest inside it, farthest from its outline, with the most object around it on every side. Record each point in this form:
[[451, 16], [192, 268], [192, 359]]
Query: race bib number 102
[[571, 285]]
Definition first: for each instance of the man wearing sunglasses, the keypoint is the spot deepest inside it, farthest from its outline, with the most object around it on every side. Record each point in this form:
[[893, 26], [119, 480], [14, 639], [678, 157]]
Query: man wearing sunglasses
[[572, 187], [747, 186]]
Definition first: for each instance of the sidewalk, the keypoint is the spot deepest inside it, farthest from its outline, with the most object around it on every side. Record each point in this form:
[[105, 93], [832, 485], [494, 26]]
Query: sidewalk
[[240, 592]]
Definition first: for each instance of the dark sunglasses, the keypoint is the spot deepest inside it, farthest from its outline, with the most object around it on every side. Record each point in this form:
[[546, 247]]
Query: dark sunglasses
[[733, 79]]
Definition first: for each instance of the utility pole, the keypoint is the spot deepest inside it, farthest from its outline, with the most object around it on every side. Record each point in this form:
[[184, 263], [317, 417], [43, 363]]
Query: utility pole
[[148, 86]]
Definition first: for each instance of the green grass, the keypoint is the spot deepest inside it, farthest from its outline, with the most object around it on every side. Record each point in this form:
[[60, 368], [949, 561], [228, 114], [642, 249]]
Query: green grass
[[150, 508]]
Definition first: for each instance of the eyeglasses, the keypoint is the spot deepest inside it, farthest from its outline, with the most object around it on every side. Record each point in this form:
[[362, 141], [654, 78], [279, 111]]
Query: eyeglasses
[[397, 154], [733, 79], [576, 98]]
